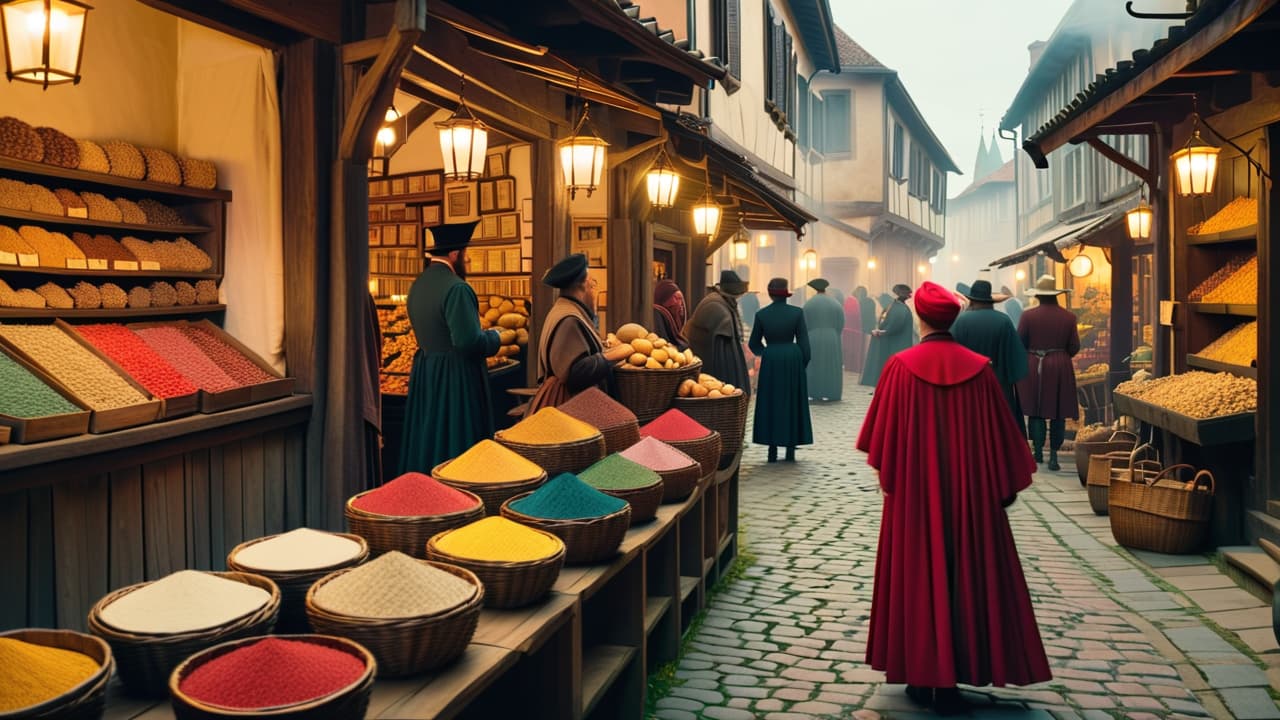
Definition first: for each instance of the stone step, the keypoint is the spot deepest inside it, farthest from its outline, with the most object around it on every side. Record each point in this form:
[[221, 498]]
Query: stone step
[[1270, 548], [1273, 508], [1262, 525], [1255, 566]]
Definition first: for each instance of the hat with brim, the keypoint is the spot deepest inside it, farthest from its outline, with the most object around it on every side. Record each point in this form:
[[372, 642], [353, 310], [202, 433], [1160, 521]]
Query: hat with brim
[[902, 291], [778, 288], [1046, 286], [731, 283], [454, 236], [568, 271], [979, 291], [819, 284]]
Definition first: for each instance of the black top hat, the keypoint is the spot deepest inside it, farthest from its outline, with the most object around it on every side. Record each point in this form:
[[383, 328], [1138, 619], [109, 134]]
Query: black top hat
[[731, 283], [568, 271], [454, 236], [778, 288], [980, 292], [819, 284]]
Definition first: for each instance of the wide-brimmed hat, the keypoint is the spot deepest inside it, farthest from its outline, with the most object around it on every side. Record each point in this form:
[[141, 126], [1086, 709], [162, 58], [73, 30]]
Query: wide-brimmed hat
[[1046, 286], [453, 236], [778, 288], [902, 291], [731, 283], [819, 284], [979, 291]]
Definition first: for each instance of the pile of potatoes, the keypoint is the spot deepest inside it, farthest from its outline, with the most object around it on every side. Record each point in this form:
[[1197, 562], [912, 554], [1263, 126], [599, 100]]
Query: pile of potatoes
[[511, 318], [707, 386], [647, 349]]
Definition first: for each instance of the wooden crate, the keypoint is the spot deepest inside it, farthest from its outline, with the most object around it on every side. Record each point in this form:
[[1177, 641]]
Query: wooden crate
[[169, 407], [1203, 432], [30, 430]]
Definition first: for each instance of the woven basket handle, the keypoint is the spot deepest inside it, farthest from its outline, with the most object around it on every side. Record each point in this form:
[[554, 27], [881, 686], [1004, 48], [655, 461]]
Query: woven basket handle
[[1211, 483], [1123, 435], [1144, 451], [1171, 472]]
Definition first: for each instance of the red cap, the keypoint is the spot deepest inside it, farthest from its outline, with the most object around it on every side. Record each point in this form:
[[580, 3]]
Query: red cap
[[936, 305]]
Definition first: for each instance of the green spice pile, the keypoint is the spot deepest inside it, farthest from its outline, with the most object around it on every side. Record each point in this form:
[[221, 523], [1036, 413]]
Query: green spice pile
[[26, 396], [566, 497], [618, 473]]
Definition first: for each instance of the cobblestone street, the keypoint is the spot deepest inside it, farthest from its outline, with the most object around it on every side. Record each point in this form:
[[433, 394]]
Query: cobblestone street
[[1128, 635]]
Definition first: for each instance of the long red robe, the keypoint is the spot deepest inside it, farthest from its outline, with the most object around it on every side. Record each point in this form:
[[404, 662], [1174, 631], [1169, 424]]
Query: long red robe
[[950, 603]]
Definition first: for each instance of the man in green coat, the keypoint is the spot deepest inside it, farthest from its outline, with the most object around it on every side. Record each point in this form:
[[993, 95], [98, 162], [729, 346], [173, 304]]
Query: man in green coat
[[892, 334], [987, 331], [448, 408], [714, 332], [824, 317]]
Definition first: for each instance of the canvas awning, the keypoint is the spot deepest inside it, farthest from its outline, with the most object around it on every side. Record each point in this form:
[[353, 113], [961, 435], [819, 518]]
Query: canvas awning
[[1053, 240]]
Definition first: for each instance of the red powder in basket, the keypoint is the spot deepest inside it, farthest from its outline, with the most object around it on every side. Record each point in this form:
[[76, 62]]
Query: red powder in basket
[[657, 456], [594, 407], [414, 494], [674, 425], [271, 673]]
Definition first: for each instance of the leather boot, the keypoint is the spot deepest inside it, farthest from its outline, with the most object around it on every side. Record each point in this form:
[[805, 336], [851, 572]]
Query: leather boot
[[773, 453], [1036, 429], [791, 454], [1053, 461]]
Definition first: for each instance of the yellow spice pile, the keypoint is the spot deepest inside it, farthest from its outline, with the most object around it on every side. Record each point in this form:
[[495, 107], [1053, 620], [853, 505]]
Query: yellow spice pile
[[489, 462], [548, 426], [497, 539]]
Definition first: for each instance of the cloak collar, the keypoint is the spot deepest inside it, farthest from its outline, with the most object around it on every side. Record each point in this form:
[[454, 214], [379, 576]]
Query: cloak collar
[[940, 360]]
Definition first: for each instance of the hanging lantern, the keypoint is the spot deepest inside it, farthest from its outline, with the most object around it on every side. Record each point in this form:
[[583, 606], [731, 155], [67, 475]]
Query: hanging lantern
[[740, 245], [763, 240], [43, 40], [922, 268], [386, 136], [582, 154], [392, 114], [1020, 275], [1195, 166], [809, 260], [933, 260], [464, 140], [1138, 221], [1081, 266], [871, 264], [706, 213], [664, 183]]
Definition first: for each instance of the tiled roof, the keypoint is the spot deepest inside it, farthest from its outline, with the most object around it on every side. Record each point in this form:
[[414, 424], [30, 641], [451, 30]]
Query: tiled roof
[[632, 10], [1003, 175], [852, 54]]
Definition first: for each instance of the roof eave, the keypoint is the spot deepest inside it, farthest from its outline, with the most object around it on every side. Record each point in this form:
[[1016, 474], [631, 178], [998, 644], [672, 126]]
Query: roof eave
[[945, 162]]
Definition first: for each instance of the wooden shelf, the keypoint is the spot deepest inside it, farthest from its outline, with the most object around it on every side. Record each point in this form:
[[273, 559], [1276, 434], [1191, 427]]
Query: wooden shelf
[[687, 586], [654, 609], [494, 275], [1205, 363], [395, 275], [120, 274], [601, 665], [1205, 432], [416, 198], [1244, 234], [39, 171], [1224, 309], [72, 222], [107, 313]]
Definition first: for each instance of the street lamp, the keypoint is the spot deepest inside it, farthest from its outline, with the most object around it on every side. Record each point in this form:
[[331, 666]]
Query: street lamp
[[43, 40], [1138, 221], [706, 213], [1195, 165], [463, 141], [740, 245], [664, 183]]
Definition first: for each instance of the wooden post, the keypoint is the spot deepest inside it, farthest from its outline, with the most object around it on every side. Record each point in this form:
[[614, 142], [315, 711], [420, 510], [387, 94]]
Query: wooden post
[[1162, 245], [1267, 443], [1121, 309]]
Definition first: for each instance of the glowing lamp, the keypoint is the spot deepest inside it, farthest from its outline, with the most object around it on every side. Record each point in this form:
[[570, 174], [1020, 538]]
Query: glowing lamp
[[809, 260], [464, 140], [706, 217], [1080, 266], [43, 40], [664, 183], [1195, 167], [1020, 275], [1138, 221], [871, 264]]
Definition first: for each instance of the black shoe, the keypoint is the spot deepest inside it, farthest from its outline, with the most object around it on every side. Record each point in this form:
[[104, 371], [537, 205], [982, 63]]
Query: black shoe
[[1039, 457], [1053, 462], [921, 696], [791, 454], [773, 454], [949, 701]]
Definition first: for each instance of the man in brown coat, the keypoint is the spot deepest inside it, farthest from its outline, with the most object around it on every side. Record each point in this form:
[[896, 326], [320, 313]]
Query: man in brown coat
[[1048, 392]]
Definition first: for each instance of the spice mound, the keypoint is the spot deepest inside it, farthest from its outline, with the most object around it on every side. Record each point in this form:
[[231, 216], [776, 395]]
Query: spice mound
[[301, 549], [137, 358], [566, 497], [186, 601], [489, 462], [674, 425], [414, 495], [595, 407], [618, 473], [497, 539], [1197, 394], [272, 672], [171, 343], [87, 376], [26, 396], [548, 426], [394, 586], [33, 674], [657, 455]]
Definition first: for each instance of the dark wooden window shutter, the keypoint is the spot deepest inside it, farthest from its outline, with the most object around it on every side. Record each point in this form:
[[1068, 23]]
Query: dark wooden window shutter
[[733, 36]]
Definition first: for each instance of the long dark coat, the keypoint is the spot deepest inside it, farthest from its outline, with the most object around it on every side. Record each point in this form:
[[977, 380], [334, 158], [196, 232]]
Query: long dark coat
[[781, 340], [1050, 335], [824, 318], [990, 333], [896, 324], [714, 332]]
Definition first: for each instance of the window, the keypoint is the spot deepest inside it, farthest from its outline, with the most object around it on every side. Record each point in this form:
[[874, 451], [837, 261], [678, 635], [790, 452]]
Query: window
[[780, 70], [895, 168], [803, 112], [937, 190], [818, 120], [727, 34], [918, 179], [839, 130], [1073, 179]]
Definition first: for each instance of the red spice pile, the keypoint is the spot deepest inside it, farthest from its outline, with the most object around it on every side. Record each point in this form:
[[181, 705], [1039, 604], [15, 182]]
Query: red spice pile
[[183, 354], [272, 672], [240, 368], [138, 359], [414, 494], [595, 407], [674, 425]]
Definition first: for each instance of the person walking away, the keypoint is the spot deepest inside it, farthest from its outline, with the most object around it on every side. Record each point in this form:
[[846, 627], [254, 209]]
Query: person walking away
[[669, 313], [571, 356], [989, 332], [1012, 306], [870, 317], [950, 603], [448, 408], [1048, 392], [748, 306], [781, 340], [891, 334], [824, 318], [852, 338], [714, 332]]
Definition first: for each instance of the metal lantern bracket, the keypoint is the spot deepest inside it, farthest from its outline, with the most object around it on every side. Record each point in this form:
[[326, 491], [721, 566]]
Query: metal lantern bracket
[[1246, 154]]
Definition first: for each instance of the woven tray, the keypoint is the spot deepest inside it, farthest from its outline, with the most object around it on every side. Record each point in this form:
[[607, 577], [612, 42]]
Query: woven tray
[[406, 646], [86, 701], [559, 458], [408, 533], [349, 702], [294, 585], [1161, 515], [508, 584], [491, 494], [145, 661], [680, 483], [586, 540], [727, 416], [648, 393], [705, 451], [644, 501]]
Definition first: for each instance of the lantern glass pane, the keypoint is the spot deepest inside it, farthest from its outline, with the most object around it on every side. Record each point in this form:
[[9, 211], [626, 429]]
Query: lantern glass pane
[[463, 144], [1196, 168], [706, 219], [24, 24], [663, 187], [740, 250], [66, 26], [1139, 223]]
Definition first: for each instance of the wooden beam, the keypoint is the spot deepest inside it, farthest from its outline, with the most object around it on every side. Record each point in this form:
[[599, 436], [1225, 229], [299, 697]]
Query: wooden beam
[[497, 94], [376, 88], [316, 18], [1146, 174], [225, 19]]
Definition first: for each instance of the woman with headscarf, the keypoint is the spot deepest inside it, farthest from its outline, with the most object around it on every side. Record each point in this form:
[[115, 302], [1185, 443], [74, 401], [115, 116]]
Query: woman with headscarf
[[892, 334], [669, 312]]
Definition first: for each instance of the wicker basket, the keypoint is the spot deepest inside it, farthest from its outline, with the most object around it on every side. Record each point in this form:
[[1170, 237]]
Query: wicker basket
[[1121, 441], [704, 450], [407, 533], [1161, 514], [508, 584], [727, 416], [406, 646], [294, 584], [556, 458], [680, 483], [648, 393], [1107, 468], [586, 540], [620, 437], [349, 702], [86, 701], [145, 661], [491, 494], [644, 501]]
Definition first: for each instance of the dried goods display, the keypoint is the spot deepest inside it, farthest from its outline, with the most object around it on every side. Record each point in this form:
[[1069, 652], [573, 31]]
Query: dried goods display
[[35, 674], [43, 200], [1239, 346], [199, 173], [489, 462], [161, 166], [406, 345], [102, 247], [1239, 213], [100, 208], [126, 159], [647, 349], [139, 297], [130, 212], [93, 158], [497, 539], [707, 386], [511, 317], [241, 369], [414, 495], [113, 296], [183, 354], [12, 242], [1219, 276], [54, 248], [163, 294], [393, 321], [1240, 288], [391, 586], [14, 194], [271, 673], [184, 601], [181, 254], [87, 296], [86, 375], [1093, 372], [137, 358], [55, 297], [20, 140], [186, 292], [19, 298], [567, 497], [158, 213], [393, 384], [72, 204], [59, 149], [1197, 394], [206, 292]]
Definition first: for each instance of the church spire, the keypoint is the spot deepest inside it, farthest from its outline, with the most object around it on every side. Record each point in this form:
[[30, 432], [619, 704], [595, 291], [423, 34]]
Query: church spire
[[980, 164]]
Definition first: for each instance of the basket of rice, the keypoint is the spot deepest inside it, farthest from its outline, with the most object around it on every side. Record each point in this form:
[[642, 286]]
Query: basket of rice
[[53, 674], [413, 615], [717, 406], [591, 523], [688, 436], [554, 441], [680, 473], [293, 561], [403, 514], [491, 472], [517, 564], [628, 480], [153, 626], [616, 423], [316, 677]]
